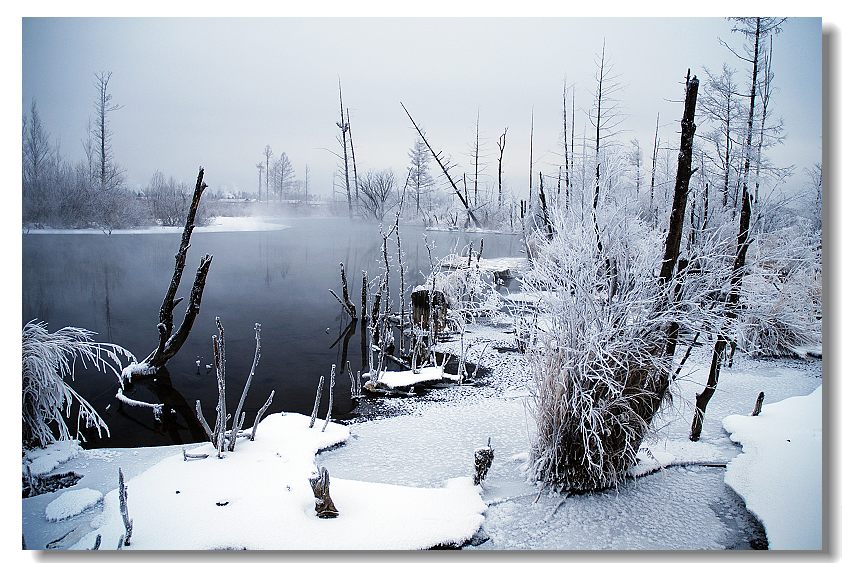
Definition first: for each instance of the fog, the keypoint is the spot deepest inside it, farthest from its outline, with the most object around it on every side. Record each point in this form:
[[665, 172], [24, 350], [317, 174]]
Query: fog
[[214, 92]]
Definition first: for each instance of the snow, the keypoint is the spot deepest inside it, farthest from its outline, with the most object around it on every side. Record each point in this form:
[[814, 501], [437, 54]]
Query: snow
[[404, 482], [514, 263], [43, 460], [219, 225], [396, 379], [258, 497], [779, 473], [72, 503]]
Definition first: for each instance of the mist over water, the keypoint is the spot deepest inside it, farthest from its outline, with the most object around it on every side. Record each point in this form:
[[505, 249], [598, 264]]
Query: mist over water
[[114, 285]]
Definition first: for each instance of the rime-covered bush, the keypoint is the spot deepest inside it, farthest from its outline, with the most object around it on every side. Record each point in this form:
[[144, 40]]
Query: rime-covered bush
[[782, 294], [49, 361], [469, 290], [596, 352]]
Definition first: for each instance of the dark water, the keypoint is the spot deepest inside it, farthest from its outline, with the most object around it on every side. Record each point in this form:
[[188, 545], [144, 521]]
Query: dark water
[[114, 286]]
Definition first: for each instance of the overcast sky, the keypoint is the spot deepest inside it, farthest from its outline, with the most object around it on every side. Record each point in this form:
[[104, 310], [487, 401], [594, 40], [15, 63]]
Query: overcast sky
[[214, 92]]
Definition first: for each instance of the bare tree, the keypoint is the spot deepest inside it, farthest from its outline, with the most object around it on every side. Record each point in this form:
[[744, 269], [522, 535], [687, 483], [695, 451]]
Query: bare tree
[[604, 115], [377, 191], [109, 174], [267, 154], [421, 182], [754, 28], [344, 128], [260, 168], [566, 156], [720, 104], [36, 149], [283, 175], [445, 166], [501, 145], [353, 156], [476, 155]]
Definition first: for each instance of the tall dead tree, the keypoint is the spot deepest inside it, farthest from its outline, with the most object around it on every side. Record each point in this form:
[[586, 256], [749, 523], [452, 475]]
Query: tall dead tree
[[531, 135], [655, 146], [755, 28], [267, 154], [353, 156], [108, 172], [445, 167], [501, 145], [672, 245], [345, 128], [566, 156], [170, 343]]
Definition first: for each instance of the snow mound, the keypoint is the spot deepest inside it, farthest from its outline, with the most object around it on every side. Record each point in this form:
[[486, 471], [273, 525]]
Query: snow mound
[[43, 460], [779, 473], [259, 497], [398, 379], [71, 503]]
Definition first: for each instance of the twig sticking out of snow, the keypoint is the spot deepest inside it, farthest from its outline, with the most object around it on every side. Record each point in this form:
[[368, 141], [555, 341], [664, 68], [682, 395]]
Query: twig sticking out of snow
[[239, 418], [204, 422], [157, 408], [260, 414], [124, 508], [318, 400], [330, 396], [219, 360], [97, 543]]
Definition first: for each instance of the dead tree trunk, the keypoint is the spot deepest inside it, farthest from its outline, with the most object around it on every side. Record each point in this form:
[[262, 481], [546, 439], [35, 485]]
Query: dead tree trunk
[[168, 343], [501, 144], [445, 168], [672, 245], [743, 242]]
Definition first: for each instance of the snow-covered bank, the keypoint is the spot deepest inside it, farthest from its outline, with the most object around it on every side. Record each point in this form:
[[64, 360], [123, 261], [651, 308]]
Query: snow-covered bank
[[219, 225], [392, 479], [259, 497], [779, 473]]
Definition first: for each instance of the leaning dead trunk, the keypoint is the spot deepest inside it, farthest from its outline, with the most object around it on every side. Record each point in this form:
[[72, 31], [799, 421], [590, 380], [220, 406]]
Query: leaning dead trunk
[[168, 343]]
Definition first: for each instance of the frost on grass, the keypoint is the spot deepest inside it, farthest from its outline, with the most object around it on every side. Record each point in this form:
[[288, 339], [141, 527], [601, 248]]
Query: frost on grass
[[204, 504], [71, 503], [49, 364], [779, 473]]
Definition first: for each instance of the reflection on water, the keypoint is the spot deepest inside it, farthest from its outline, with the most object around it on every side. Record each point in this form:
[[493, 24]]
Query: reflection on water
[[114, 286]]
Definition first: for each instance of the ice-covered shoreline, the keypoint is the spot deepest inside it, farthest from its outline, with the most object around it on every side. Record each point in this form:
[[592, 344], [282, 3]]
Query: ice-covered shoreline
[[219, 225]]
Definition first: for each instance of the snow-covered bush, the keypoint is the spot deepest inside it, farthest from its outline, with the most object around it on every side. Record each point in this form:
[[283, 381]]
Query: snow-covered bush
[[782, 294], [49, 360], [470, 291], [596, 352]]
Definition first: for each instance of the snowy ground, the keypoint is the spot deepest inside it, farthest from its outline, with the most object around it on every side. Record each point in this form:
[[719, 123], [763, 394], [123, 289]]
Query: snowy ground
[[219, 225], [684, 506]]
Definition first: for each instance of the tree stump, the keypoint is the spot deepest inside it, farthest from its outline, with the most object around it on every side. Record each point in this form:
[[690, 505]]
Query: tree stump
[[321, 490], [482, 462], [758, 404], [424, 308]]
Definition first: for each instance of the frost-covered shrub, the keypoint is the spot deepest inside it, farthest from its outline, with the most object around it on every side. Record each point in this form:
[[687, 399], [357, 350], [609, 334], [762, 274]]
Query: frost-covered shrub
[[782, 295], [49, 360], [470, 291], [596, 354]]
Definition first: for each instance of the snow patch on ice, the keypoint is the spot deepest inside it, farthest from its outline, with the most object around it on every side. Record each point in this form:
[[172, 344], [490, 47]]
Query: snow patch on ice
[[70, 503], [779, 473], [43, 460]]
